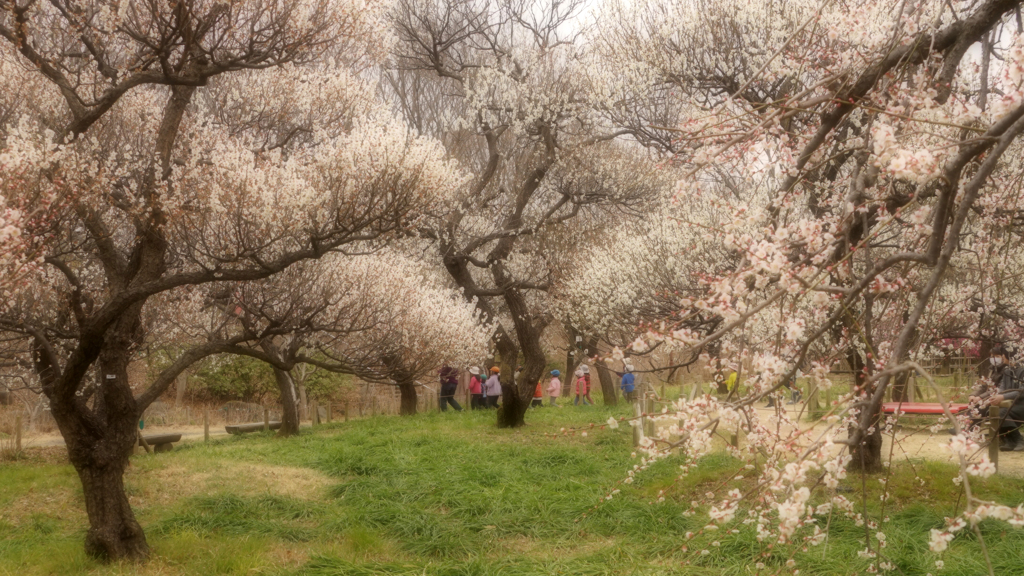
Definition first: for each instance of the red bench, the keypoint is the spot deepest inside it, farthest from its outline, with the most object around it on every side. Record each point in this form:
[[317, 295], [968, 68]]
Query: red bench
[[920, 407]]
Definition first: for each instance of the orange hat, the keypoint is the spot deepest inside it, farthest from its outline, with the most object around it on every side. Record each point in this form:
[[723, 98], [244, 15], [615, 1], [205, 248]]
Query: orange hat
[[495, 369]]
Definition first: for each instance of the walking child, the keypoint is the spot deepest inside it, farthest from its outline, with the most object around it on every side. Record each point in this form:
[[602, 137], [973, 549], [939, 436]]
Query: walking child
[[554, 388], [538, 397], [627, 384], [476, 384], [493, 388], [582, 388]]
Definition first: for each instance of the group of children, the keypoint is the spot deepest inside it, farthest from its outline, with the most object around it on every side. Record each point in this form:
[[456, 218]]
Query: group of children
[[582, 374], [485, 393], [554, 388]]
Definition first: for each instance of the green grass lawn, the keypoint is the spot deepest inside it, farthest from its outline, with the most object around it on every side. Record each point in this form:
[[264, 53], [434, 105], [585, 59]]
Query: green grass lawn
[[449, 494]]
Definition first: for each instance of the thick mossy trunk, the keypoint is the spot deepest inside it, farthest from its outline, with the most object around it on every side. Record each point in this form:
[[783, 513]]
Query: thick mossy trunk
[[407, 407], [900, 390], [516, 394], [114, 533], [867, 454], [608, 388], [99, 448], [513, 407], [289, 403]]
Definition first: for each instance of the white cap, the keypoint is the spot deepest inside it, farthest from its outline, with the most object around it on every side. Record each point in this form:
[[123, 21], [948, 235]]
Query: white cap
[[475, 370], [629, 367], [584, 369], [579, 373]]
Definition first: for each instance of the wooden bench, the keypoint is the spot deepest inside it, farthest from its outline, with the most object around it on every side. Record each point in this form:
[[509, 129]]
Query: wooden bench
[[253, 427], [935, 409], [921, 408], [160, 442]]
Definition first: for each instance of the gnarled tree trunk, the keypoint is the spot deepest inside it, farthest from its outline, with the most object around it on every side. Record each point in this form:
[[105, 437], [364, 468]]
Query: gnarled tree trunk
[[607, 384], [289, 403], [113, 531], [867, 454], [516, 397], [407, 391], [99, 443]]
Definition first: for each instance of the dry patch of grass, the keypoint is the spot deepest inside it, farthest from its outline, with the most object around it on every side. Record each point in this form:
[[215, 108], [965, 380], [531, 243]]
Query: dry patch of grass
[[164, 485]]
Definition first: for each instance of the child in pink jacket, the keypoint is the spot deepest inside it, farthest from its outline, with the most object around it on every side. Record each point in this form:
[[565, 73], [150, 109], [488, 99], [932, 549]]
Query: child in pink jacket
[[554, 388], [582, 388]]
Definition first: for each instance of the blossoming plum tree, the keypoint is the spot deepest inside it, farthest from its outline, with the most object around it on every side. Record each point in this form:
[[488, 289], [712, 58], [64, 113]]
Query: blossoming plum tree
[[380, 316], [504, 86], [133, 165], [877, 151]]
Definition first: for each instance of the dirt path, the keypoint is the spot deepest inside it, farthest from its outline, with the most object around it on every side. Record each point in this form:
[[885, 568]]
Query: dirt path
[[188, 434]]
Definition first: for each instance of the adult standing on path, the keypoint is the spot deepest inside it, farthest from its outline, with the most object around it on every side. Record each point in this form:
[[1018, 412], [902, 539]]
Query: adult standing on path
[[493, 388], [449, 384], [476, 385]]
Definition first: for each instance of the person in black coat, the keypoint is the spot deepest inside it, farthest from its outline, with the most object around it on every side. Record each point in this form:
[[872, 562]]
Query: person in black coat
[[449, 384], [1008, 380]]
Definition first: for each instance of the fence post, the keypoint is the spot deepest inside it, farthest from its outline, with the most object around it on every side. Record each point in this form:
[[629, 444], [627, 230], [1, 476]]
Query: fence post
[[638, 425], [346, 411], [329, 414], [993, 444], [812, 397], [17, 433], [206, 425], [266, 419]]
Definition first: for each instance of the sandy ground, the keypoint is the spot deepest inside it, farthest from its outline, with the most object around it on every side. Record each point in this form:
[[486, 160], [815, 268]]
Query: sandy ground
[[188, 434], [915, 441]]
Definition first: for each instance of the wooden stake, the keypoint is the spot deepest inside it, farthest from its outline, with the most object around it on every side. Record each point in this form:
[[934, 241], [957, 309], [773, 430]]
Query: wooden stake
[[638, 429], [266, 420], [697, 390], [346, 411], [993, 443], [329, 413], [813, 403], [17, 433], [144, 443], [206, 425]]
